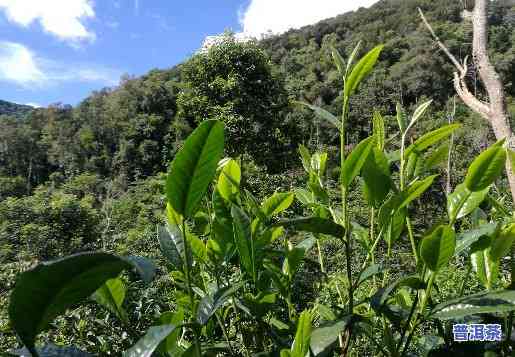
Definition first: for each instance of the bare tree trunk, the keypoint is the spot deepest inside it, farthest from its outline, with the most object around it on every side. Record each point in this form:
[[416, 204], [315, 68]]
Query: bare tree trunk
[[493, 111]]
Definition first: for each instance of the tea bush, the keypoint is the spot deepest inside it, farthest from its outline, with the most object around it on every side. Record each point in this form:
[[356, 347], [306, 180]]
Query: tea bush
[[360, 270]]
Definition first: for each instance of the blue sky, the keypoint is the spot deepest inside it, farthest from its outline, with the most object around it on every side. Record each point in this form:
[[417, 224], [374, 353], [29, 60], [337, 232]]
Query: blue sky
[[61, 50]]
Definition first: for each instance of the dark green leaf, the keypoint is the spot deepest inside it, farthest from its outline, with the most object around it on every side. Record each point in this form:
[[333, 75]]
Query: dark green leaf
[[172, 245], [415, 190], [485, 168], [210, 303], [314, 225], [58, 286], [325, 337], [431, 138], [111, 296], [369, 272], [381, 296], [244, 241], [438, 248], [466, 239], [323, 114], [194, 167], [481, 303], [376, 177], [355, 161]]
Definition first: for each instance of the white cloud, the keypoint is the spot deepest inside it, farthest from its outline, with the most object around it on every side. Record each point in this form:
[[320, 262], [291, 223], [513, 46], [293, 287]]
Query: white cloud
[[21, 66], [18, 64], [35, 105], [277, 16], [62, 18]]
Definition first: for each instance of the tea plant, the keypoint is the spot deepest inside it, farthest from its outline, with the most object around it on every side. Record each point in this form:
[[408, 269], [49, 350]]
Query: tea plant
[[234, 260]]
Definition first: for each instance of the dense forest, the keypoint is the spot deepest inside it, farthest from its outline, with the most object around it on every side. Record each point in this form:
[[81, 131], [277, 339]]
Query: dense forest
[[92, 177]]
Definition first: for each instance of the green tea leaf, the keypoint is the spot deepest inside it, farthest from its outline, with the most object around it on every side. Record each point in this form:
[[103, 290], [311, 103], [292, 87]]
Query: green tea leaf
[[486, 168], [486, 269], [111, 296], [194, 167], [60, 285], [415, 190], [466, 239], [324, 338], [379, 130], [431, 138], [338, 61], [211, 303], [315, 225], [369, 272], [361, 70], [170, 345], [146, 346], [277, 203], [300, 345], [481, 303], [229, 181], [323, 114], [419, 112], [438, 156], [461, 202], [304, 196], [306, 158], [244, 241], [376, 177], [355, 161], [401, 118], [172, 245], [502, 244], [438, 248]]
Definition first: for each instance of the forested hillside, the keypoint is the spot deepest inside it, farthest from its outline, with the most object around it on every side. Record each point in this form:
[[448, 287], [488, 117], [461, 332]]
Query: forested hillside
[[13, 109], [92, 177]]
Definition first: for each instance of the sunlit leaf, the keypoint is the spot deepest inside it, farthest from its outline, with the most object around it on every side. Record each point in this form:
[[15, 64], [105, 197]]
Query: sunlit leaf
[[355, 161], [486, 168], [194, 167], [437, 248], [361, 70]]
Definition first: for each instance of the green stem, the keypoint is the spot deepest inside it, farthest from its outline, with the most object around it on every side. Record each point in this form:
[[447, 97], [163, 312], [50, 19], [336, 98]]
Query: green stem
[[188, 283], [414, 249], [224, 331], [320, 256], [371, 239], [427, 294]]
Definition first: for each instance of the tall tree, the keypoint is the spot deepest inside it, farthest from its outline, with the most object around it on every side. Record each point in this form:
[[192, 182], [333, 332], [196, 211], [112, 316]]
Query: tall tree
[[494, 109], [236, 83]]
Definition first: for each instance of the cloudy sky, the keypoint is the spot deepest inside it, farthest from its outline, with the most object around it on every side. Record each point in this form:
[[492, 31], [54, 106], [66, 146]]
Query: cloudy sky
[[60, 50]]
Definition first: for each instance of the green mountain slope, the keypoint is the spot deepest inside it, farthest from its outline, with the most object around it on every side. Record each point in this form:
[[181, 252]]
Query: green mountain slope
[[13, 109], [133, 130]]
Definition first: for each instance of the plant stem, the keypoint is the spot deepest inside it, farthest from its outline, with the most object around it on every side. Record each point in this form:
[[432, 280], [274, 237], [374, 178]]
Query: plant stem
[[320, 257], [371, 239], [412, 240], [224, 331], [427, 294], [188, 283]]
